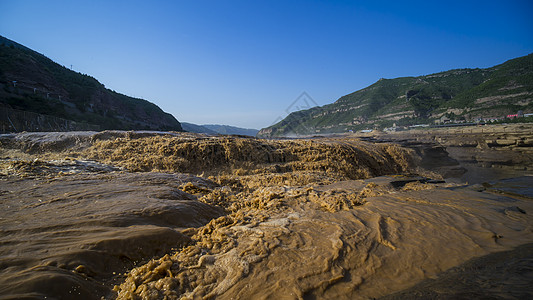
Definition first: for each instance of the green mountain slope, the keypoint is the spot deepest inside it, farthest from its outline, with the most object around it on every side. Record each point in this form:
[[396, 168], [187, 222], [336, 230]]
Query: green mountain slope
[[458, 95], [33, 88]]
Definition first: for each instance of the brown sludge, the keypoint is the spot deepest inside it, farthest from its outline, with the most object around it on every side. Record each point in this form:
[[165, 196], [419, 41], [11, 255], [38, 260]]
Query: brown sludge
[[183, 216]]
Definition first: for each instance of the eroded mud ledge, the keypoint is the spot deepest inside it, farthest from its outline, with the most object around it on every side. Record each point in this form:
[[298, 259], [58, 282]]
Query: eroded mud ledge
[[471, 154], [328, 218]]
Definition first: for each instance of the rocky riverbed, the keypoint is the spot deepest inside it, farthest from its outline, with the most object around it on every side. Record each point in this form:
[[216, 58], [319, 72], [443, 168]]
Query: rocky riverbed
[[472, 154], [158, 215]]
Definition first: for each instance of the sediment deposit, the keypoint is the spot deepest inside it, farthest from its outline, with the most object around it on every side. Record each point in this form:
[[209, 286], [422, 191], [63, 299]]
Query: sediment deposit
[[144, 215]]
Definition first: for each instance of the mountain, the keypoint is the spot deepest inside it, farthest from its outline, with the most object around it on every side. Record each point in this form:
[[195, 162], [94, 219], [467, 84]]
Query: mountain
[[189, 127], [460, 95], [226, 129], [218, 129], [38, 94]]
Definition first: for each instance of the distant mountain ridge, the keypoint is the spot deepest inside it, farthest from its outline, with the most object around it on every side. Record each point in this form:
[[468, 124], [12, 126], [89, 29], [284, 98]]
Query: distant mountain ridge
[[190, 127], [226, 129], [218, 129], [54, 95], [459, 95]]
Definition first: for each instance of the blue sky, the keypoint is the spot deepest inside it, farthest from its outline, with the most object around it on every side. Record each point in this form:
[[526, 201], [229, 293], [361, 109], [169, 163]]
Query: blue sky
[[243, 63]]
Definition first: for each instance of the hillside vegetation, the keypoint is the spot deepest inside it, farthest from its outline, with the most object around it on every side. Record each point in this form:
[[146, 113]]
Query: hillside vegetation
[[462, 95], [31, 82]]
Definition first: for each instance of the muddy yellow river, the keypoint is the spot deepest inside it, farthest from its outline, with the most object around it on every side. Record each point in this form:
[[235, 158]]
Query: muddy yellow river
[[138, 215]]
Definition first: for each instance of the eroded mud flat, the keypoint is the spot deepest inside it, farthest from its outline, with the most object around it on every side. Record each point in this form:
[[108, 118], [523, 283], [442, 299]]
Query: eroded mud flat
[[140, 215]]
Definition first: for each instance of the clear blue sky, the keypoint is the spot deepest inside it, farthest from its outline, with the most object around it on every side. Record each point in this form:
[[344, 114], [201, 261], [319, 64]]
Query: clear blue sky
[[243, 63]]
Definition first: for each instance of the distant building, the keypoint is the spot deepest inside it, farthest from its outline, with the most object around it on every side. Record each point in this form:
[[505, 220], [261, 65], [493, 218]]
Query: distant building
[[493, 119], [419, 125]]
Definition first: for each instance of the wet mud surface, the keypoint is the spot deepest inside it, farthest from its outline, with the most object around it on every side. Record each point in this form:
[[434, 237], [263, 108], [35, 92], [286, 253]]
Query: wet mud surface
[[140, 215], [500, 275], [63, 237]]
